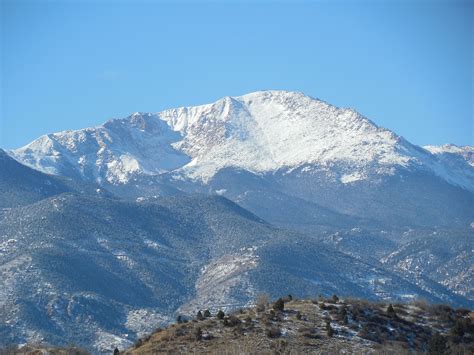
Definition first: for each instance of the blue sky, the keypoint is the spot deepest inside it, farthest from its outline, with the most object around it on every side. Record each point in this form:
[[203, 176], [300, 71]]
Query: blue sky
[[407, 65]]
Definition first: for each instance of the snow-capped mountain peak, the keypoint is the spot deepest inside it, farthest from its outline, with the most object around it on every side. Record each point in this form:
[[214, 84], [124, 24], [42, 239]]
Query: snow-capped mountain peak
[[271, 130], [260, 132]]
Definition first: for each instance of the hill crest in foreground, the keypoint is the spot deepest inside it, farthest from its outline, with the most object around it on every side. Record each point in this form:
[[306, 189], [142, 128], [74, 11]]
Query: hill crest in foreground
[[319, 326]]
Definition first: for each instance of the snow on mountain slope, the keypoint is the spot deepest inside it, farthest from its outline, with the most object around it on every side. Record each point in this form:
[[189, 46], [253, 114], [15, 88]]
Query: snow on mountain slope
[[139, 144], [259, 132], [459, 161], [20, 185], [452, 150], [267, 131]]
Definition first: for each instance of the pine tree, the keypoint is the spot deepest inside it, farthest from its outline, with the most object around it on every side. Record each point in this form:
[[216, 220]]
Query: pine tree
[[279, 305], [220, 314], [329, 330], [390, 311], [198, 334], [437, 345], [458, 329]]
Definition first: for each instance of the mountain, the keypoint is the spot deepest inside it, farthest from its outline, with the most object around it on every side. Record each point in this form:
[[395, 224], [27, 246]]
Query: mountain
[[21, 185], [259, 132], [98, 271], [451, 266], [429, 258], [279, 149], [104, 266], [459, 160], [107, 232], [451, 150]]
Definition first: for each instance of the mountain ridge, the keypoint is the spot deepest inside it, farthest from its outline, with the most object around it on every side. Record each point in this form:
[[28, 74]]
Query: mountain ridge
[[259, 132]]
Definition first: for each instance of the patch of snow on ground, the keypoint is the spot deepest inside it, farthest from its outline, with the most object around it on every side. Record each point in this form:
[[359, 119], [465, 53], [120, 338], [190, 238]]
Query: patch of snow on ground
[[144, 321], [218, 278], [348, 178], [106, 342]]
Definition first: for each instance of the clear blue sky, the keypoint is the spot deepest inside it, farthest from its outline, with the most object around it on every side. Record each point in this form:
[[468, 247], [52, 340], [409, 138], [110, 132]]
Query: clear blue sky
[[407, 65]]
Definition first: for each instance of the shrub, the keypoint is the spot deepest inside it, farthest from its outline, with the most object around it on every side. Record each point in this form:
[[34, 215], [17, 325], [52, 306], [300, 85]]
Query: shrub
[[287, 298], [273, 332], [342, 314], [390, 311], [207, 313], [231, 321], [329, 329], [279, 305], [179, 319], [335, 299], [199, 316], [261, 302], [198, 334], [279, 317], [179, 332], [443, 312], [220, 314], [298, 315], [437, 345], [457, 329]]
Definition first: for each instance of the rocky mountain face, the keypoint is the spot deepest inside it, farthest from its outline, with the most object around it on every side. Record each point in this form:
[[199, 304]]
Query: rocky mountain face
[[107, 232]]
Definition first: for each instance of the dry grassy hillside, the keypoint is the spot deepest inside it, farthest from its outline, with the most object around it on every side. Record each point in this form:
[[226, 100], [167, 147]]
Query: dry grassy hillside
[[322, 326], [319, 326]]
